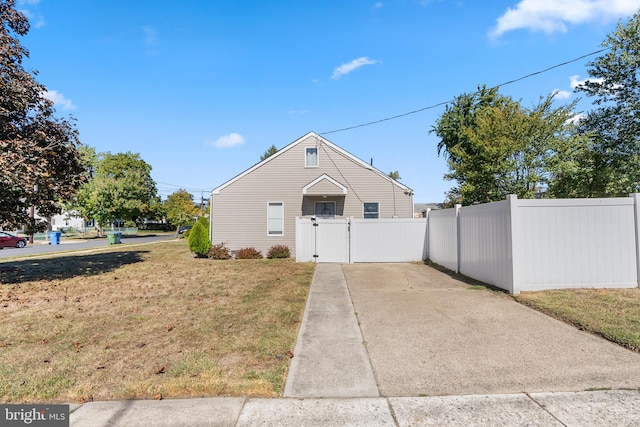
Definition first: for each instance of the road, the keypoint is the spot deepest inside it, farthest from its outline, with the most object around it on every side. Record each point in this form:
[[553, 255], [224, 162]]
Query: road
[[67, 245]]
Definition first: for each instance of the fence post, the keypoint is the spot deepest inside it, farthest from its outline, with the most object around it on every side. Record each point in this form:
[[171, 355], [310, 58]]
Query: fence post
[[513, 245], [636, 216], [427, 237], [458, 206]]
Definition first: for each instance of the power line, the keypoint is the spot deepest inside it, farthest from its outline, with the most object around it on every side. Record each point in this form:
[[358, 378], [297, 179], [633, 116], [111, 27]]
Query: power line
[[183, 187], [452, 100]]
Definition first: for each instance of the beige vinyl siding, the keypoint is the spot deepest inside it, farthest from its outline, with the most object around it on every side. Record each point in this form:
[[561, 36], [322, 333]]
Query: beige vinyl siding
[[239, 211]]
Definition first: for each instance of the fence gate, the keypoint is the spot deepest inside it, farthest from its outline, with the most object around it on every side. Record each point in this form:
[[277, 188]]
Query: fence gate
[[322, 240]]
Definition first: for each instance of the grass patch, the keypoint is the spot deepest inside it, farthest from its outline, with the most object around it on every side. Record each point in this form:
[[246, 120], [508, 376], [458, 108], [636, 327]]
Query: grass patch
[[611, 313], [145, 322]]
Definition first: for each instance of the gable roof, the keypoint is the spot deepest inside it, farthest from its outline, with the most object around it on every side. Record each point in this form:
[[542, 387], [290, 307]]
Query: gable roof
[[339, 188], [298, 141]]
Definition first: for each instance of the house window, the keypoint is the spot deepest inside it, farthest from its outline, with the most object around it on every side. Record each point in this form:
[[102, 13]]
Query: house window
[[325, 209], [311, 157], [371, 210], [275, 219]]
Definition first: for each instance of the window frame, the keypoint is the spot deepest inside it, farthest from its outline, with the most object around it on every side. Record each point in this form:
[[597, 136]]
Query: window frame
[[315, 210], [364, 211], [270, 233], [306, 157]]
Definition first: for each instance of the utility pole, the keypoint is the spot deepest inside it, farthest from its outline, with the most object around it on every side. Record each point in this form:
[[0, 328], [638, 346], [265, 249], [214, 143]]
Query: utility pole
[[32, 215], [32, 224]]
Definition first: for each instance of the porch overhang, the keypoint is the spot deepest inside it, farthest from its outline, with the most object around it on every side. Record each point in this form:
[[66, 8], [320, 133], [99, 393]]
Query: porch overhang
[[324, 185]]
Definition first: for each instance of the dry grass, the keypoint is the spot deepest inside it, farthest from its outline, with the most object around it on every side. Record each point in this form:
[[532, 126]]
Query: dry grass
[[611, 313], [147, 322]]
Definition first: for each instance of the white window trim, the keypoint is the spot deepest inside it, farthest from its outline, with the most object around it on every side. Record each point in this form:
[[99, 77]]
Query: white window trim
[[370, 201], [335, 205], [269, 234], [317, 157]]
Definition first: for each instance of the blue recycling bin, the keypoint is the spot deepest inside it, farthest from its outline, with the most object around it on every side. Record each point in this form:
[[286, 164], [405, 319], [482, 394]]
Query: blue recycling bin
[[54, 237]]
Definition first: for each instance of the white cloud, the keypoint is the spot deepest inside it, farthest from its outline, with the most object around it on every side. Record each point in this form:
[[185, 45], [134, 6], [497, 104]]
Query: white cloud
[[576, 118], [551, 16], [561, 94], [577, 83], [377, 5], [36, 20], [225, 141], [58, 99], [150, 35], [345, 69]]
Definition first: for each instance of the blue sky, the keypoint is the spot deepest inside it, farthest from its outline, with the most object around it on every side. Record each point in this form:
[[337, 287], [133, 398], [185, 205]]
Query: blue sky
[[202, 88]]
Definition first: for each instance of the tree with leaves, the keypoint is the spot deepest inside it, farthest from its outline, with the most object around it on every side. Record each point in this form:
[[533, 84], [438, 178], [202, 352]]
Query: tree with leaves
[[199, 242], [395, 175], [495, 147], [180, 208], [612, 166], [270, 152], [39, 153], [121, 189]]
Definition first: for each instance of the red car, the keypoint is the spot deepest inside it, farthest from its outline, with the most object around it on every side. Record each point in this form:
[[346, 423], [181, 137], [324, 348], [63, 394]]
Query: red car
[[9, 240]]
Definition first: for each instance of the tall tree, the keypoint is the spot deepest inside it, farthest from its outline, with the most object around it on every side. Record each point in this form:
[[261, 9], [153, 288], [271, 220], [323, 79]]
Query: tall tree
[[495, 147], [395, 175], [121, 189], [180, 208], [39, 158], [270, 152], [614, 85]]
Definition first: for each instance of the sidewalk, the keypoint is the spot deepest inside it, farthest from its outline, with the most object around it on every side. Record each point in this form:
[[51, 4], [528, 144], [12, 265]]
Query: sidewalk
[[597, 408], [335, 381]]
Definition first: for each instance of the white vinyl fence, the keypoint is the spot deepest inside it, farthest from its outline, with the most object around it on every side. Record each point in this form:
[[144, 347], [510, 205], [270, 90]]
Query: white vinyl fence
[[527, 245], [443, 238], [388, 240], [516, 245], [361, 240]]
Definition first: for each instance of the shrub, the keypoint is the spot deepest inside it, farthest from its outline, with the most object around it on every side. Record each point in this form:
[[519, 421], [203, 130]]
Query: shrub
[[279, 251], [199, 242], [219, 252], [130, 224], [248, 253]]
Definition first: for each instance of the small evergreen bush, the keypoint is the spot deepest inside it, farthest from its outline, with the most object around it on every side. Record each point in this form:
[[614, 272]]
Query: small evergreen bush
[[248, 253], [204, 221], [199, 242], [219, 252], [279, 251]]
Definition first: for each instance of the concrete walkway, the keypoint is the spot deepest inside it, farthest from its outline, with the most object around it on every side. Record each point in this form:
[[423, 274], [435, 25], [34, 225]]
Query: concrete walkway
[[331, 359], [402, 358]]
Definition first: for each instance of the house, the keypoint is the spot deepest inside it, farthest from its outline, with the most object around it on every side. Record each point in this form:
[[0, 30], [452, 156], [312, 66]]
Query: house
[[311, 177], [69, 219], [420, 209]]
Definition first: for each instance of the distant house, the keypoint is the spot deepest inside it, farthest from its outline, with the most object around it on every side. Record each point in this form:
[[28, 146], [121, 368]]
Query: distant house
[[311, 177], [420, 209], [69, 219]]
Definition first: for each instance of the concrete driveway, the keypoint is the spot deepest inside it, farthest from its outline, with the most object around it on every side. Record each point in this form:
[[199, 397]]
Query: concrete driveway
[[429, 334]]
